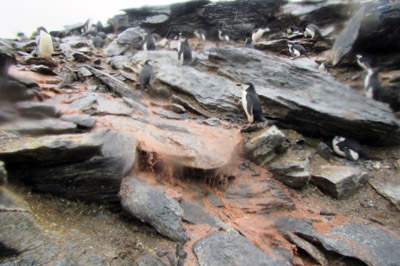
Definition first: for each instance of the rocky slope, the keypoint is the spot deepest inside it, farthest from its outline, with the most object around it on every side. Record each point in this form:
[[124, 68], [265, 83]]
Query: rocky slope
[[93, 173]]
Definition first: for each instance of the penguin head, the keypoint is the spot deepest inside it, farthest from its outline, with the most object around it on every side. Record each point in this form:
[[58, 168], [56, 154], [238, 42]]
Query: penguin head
[[147, 62], [364, 62], [248, 41], [246, 86], [41, 28], [290, 45], [338, 139]]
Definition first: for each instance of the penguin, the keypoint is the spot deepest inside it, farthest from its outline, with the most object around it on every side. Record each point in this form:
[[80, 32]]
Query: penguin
[[251, 103], [313, 31], [257, 34], [45, 46], [372, 85], [350, 149], [248, 43], [293, 30], [201, 34], [324, 67], [297, 50], [21, 37], [184, 52], [99, 26], [148, 43], [223, 36], [98, 42], [146, 76]]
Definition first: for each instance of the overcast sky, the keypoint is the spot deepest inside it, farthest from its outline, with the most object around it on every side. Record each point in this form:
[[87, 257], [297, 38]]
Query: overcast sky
[[26, 15]]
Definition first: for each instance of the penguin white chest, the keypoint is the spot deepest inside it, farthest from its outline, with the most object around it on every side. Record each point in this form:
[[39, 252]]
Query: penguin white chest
[[310, 33], [368, 86], [296, 52], [250, 118], [45, 48]]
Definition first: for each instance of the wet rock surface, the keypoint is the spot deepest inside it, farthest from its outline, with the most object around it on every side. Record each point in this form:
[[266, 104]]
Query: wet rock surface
[[95, 173]]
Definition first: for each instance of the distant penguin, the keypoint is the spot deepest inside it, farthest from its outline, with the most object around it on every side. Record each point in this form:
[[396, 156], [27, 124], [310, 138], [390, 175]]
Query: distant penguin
[[184, 52], [146, 76], [293, 30], [372, 85], [251, 103], [223, 36], [349, 148], [248, 43], [297, 50], [148, 43], [201, 34], [173, 35], [21, 37], [257, 34], [98, 42], [45, 46], [312, 31], [324, 67], [99, 26]]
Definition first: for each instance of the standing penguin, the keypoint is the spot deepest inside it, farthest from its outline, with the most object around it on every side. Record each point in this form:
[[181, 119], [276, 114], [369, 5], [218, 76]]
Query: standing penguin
[[312, 31], [251, 103], [248, 43], [148, 43], [372, 85], [184, 52], [257, 34], [201, 34], [223, 36], [297, 50], [348, 148], [146, 76], [45, 46]]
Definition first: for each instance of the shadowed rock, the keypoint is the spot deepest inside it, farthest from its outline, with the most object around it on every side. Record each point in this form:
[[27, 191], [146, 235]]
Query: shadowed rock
[[131, 37], [154, 207]]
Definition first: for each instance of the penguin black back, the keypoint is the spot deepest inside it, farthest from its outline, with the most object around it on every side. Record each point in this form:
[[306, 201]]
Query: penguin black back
[[312, 31], [146, 76], [297, 50], [184, 52], [201, 34], [148, 43], [350, 149]]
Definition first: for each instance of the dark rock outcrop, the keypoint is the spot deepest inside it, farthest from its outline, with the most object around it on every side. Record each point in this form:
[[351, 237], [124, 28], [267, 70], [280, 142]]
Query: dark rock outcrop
[[39, 127], [154, 207], [230, 248], [196, 214], [82, 120], [130, 38]]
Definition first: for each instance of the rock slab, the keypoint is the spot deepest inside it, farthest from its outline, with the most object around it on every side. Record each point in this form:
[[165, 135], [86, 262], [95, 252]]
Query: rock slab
[[154, 207]]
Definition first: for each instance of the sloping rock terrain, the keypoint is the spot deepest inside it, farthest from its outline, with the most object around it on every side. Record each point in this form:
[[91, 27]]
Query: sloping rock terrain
[[92, 172]]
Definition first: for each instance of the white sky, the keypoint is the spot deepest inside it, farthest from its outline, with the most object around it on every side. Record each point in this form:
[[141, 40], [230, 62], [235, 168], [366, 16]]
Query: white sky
[[26, 15]]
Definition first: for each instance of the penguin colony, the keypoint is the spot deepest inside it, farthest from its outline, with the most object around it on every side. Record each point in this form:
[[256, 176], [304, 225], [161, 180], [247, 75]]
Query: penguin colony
[[345, 147]]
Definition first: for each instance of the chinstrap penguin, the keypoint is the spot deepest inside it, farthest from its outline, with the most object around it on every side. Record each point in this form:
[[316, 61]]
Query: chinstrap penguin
[[251, 103], [45, 46], [350, 149], [324, 66], [201, 34], [372, 85], [257, 34], [248, 43], [297, 50], [148, 43], [184, 52], [293, 30], [223, 36], [312, 31], [146, 76]]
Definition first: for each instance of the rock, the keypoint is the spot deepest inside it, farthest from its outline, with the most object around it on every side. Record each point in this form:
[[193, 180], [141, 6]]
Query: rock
[[137, 106], [16, 89], [388, 185], [230, 248], [372, 29], [264, 145], [196, 214], [80, 57], [187, 105], [147, 260], [106, 106], [131, 37], [154, 207], [119, 145], [215, 200], [189, 147], [3, 174], [49, 149], [293, 168], [39, 127], [45, 70], [212, 121], [82, 120], [36, 109], [259, 197], [311, 250], [120, 62], [84, 102], [324, 111], [370, 244], [39, 61], [117, 86], [84, 73], [324, 151], [339, 181], [167, 114], [177, 108], [299, 226], [273, 45]]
